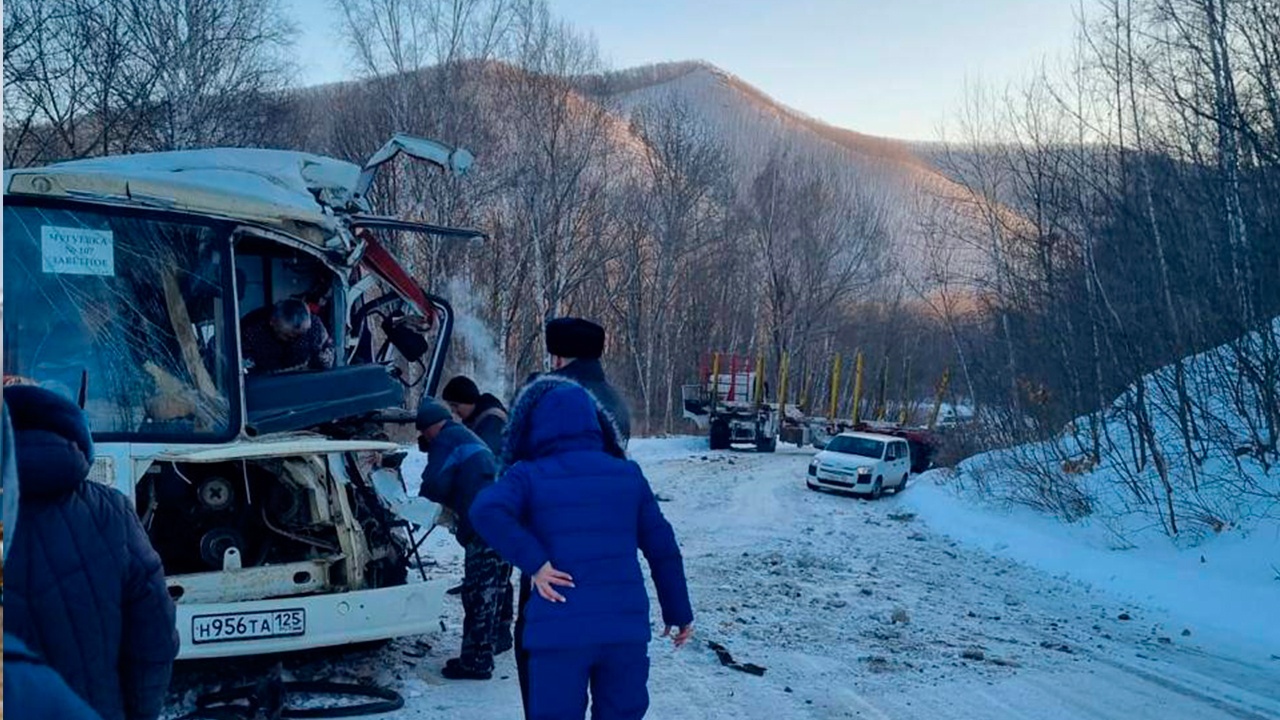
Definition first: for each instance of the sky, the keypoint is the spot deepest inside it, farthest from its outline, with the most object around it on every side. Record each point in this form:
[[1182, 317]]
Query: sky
[[895, 68]]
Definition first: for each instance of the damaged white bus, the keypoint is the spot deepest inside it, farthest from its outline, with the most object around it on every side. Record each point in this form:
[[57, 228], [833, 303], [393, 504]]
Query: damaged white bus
[[274, 500]]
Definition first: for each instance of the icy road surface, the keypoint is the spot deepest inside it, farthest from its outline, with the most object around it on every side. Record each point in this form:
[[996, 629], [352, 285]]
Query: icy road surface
[[856, 609]]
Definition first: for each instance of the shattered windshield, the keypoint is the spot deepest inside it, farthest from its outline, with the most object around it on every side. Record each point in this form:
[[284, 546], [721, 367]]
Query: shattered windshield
[[862, 447], [128, 308]]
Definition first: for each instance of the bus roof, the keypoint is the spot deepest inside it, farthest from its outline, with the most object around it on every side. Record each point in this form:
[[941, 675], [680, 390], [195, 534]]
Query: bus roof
[[283, 189]]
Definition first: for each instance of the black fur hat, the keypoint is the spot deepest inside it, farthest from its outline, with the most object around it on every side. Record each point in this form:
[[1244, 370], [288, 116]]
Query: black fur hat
[[576, 338]]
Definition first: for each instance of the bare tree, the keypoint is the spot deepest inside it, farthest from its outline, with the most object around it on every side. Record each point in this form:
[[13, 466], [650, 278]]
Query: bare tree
[[818, 239], [681, 202], [92, 77]]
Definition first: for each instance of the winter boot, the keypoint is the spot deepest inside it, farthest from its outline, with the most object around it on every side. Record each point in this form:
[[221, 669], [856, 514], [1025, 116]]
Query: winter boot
[[455, 670], [503, 644]]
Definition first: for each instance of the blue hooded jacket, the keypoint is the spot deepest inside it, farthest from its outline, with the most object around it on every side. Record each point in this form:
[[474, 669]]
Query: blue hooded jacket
[[568, 496], [459, 465], [84, 589]]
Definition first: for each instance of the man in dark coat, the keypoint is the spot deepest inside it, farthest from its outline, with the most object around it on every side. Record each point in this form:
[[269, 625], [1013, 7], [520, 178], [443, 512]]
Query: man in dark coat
[[32, 689], [483, 414], [575, 346], [85, 590], [285, 337], [459, 466], [571, 512]]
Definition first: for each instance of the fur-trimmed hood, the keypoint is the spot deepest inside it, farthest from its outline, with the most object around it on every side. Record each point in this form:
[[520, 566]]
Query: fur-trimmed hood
[[554, 414]]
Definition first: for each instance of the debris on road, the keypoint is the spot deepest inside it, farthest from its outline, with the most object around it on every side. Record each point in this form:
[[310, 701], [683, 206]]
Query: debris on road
[[727, 660]]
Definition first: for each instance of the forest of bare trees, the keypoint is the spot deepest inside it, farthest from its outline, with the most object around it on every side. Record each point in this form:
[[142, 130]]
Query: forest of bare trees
[[1131, 217], [93, 77], [1122, 202]]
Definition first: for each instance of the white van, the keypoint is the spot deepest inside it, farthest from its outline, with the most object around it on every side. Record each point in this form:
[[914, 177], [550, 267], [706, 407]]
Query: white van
[[861, 463]]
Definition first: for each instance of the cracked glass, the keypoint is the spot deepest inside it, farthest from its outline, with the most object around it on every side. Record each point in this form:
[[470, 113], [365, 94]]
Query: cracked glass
[[128, 308]]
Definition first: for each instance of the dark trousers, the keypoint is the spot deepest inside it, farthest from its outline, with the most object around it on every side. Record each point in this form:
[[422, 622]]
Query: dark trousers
[[617, 675], [486, 579], [506, 601], [522, 655]]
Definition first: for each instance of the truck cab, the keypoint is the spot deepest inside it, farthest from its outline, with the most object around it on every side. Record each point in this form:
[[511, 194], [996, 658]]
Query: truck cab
[[733, 406], [273, 498]]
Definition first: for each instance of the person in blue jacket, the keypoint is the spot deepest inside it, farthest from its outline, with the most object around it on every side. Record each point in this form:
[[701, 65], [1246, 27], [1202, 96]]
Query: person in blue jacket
[[84, 591], [571, 512], [459, 466], [32, 689]]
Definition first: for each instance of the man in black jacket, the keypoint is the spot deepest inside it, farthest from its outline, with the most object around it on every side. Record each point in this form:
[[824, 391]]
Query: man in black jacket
[[31, 687], [85, 590], [575, 346], [285, 337], [483, 415], [459, 466]]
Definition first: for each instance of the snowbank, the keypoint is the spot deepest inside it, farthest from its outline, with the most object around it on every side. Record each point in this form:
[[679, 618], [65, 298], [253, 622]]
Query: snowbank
[[1221, 481], [1227, 587], [1046, 504]]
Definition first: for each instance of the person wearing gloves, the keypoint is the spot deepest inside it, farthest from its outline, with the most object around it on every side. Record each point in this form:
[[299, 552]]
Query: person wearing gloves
[[570, 511], [84, 590], [460, 465]]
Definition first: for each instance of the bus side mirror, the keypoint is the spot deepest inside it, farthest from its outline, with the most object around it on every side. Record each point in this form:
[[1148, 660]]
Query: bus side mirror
[[409, 342]]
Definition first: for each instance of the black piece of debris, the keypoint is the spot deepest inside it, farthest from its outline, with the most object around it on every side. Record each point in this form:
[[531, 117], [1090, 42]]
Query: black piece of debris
[[727, 660]]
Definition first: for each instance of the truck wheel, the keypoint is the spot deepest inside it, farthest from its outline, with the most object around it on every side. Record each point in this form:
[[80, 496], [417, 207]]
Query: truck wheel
[[767, 445], [719, 436]]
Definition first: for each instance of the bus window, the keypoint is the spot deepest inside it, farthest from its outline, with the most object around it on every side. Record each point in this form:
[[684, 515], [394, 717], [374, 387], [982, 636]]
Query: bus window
[[132, 307]]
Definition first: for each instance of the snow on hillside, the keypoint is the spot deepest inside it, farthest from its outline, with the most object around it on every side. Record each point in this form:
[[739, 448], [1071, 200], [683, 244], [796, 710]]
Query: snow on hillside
[[1224, 487], [752, 125]]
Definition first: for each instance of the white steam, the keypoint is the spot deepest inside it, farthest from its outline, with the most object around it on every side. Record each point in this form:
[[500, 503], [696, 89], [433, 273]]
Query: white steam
[[475, 352]]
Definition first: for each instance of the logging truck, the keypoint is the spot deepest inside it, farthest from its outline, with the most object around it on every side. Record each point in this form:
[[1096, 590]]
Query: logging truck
[[733, 404]]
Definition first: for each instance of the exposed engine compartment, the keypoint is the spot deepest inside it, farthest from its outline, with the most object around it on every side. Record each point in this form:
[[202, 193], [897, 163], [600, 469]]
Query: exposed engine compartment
[[209, 517]]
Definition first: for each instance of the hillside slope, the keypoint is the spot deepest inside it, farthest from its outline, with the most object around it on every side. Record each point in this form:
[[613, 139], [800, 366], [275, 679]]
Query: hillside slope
[[752, 125]]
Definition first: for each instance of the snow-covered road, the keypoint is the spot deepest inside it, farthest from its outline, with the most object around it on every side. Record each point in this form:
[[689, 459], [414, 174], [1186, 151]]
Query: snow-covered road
[[856, 609]]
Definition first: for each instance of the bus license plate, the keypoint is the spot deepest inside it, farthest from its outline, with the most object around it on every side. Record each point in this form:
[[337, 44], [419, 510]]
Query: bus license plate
[[227, 627]]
